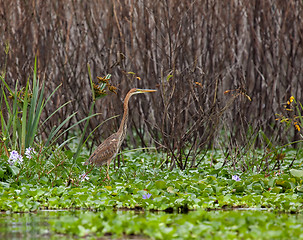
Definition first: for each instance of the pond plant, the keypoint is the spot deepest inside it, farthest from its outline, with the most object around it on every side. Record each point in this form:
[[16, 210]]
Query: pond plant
[[40, 174]]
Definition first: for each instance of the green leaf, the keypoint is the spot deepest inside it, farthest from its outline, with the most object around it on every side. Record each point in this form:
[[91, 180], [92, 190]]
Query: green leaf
[[169, 76], [296, 173], [238, 186], [24, 114], [300, 188], [160, 184], [277, 190], [15, 170]]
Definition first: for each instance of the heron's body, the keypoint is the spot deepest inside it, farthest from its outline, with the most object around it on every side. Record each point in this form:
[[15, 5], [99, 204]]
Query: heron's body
[[107, 150]]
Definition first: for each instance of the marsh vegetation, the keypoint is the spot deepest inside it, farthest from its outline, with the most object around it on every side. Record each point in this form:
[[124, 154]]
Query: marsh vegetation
[[222, 133]]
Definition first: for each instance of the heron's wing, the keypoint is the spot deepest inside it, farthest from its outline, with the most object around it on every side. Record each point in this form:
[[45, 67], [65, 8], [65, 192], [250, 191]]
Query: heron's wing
[[105, 151]]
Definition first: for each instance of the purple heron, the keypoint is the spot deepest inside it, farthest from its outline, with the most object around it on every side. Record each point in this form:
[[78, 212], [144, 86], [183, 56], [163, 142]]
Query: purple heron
[[107, 150]]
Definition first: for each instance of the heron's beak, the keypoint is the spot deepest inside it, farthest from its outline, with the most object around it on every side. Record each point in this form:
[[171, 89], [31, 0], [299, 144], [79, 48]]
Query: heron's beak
[[145, 90]]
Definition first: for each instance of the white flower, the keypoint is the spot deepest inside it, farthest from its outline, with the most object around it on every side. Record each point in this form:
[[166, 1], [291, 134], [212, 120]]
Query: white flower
[[20, 159], [83, 177], [29, 152], [236, 178], [15, 157]]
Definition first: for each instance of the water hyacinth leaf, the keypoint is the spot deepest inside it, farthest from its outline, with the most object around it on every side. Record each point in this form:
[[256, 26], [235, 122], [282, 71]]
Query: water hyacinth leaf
[[296, 173], [300, 188], [155, 191], [257, 187], [179, 201], [283, 183], [160, 184], [170, 190], [44, 180], [83, 231], [239, 187], [15, 170], [2, 171], [201, 185], [276, 189]]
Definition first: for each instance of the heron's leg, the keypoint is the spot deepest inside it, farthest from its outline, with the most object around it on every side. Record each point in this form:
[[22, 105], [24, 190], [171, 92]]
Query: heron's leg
[[107, 175]]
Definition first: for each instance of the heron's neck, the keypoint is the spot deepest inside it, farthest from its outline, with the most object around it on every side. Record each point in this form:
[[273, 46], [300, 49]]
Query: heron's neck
[[123, 125]]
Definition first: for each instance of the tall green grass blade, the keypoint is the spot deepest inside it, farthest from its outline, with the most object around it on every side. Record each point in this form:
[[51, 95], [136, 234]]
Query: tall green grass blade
[[32, 112], [55, 112], [56, 130], [22, 129], [52, 93], [77, 123], [91, 83], [15, 119], [300, 114], [23, 121], [38, 107], [83, 133], [13, 127], [4, 124], [266, 139], [7, 87], [6, 103], [98, 127], [65, 142], [90, 112]]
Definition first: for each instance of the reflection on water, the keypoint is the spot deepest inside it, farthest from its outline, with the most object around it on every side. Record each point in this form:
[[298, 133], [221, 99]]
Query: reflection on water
[[28, 225], [36, 225]]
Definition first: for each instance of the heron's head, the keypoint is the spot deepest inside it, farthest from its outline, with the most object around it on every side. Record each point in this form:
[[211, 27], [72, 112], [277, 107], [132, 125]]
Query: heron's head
[[138, 90]]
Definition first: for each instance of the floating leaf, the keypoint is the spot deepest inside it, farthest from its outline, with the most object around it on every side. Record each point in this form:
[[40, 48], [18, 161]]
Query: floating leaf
[[170, 190], [238, 186], [300, 188], [277, 190], [296, 173], [283, 183], [160, 184]]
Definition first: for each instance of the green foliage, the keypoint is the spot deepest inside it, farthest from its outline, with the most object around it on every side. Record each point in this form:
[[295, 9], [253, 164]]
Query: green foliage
[[55, 182], [63, 186], [194, 225], [21, 128], [20, 119], [293, 114], [198, 224], [53, 178]]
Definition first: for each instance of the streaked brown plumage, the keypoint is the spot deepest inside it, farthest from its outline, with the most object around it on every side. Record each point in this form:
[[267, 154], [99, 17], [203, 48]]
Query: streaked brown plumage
[[107, 150]]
